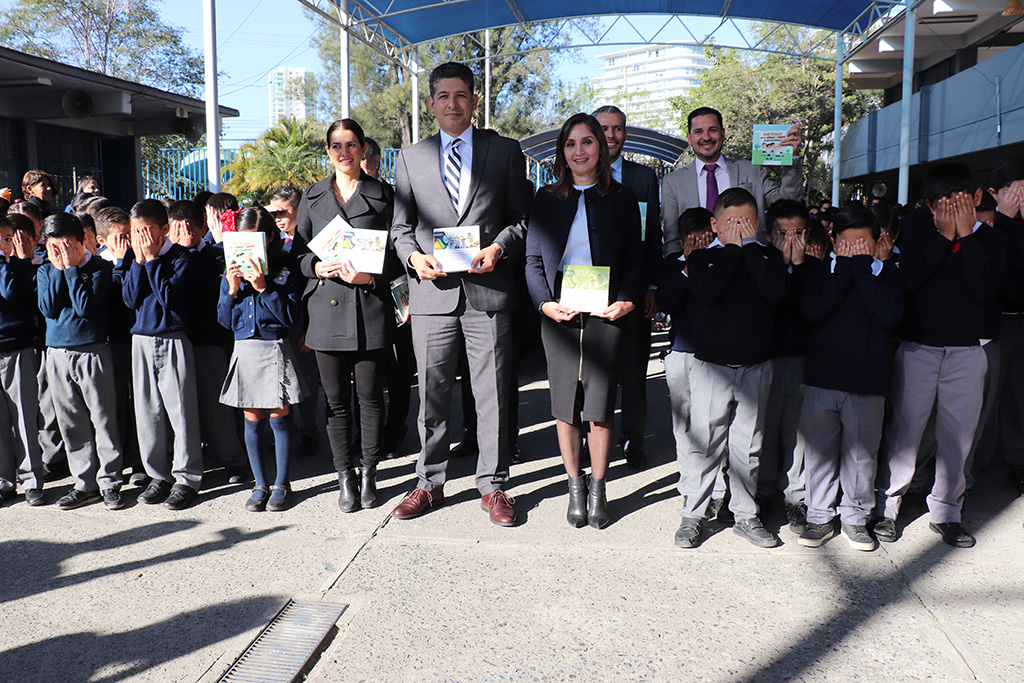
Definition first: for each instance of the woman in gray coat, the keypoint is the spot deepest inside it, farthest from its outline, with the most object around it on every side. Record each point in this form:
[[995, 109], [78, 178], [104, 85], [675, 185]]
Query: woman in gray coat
[[351, 315]]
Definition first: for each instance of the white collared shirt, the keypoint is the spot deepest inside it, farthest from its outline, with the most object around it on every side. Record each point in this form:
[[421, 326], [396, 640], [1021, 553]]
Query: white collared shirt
[[165, 246], [616, 167], [721, 175], [577, 246], [466, 155]]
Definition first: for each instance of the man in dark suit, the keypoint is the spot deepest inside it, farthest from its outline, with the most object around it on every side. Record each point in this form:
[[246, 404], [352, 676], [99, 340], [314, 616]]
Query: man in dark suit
[[701, 181], [461, 177], [644, 184]]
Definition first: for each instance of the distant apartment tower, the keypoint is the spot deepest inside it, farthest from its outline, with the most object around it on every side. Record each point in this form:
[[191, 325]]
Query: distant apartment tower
[[289, 95], [641, 80]]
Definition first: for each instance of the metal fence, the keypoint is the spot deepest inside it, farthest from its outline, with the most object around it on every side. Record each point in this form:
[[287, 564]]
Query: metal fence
[[181, 173]]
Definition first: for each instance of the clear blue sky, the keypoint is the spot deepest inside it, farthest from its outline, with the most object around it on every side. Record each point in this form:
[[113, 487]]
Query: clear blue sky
[[255, 36]]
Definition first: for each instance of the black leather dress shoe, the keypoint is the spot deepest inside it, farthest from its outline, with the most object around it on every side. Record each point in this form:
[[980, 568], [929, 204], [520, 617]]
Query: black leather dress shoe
[[953, 534], [466, 447]]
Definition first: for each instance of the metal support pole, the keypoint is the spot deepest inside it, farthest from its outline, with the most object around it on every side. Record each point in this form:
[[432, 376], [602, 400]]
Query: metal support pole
[[837, 136], [909, 24], [212, 112], [487, 78], [343, 57], [415, 98]]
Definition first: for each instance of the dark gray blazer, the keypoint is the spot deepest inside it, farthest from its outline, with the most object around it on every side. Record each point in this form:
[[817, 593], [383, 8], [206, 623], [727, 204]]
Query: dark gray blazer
[[499, 202], [644, 183], [345, 317]]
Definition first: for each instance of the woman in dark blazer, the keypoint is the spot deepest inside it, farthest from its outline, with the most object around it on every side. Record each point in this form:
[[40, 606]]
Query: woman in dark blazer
[[584, 218], [351, 315]]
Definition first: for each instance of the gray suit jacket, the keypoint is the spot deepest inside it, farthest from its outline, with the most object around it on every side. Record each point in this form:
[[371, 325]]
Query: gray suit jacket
[[499, 202], [679, 192]]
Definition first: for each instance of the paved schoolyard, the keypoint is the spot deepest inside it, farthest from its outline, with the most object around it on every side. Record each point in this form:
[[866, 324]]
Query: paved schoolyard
[[146, 594]]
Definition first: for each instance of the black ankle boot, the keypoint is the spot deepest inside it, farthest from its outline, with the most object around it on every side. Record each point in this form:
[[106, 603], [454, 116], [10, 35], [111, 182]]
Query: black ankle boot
[[348, 499], [577, 514], [368, 492], [598, 502]]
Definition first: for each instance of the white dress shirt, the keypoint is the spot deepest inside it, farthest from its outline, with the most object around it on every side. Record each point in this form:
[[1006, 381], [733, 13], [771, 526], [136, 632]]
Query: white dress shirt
[[577, 247], [721, 175], [466, 155]]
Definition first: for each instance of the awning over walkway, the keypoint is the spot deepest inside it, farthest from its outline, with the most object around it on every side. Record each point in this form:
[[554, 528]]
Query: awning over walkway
[[667, 148]]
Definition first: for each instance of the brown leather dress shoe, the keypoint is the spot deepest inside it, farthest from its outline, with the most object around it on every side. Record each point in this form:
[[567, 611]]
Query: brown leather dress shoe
[[417, 503], [499, 505]]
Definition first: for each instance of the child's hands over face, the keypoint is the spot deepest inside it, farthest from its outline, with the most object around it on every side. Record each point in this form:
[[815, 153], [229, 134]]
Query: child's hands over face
[[943, 213], [883, 246], [254, 276], [148, 245], [118, 244], [1011, 200], [22, 245], [234, 278], [72, 252], [964, 217], [748, 228], [729, 232], [815, 250], [53, 253], [695, 241]]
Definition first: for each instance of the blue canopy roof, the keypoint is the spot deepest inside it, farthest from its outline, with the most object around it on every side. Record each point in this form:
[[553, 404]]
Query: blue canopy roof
[[418, 21]]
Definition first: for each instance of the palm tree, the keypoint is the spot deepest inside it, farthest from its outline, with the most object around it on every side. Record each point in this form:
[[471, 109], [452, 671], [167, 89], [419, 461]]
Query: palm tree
[[289, 153]]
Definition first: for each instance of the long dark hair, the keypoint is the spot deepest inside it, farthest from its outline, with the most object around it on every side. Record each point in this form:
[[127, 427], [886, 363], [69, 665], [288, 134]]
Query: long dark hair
[[562, 187]]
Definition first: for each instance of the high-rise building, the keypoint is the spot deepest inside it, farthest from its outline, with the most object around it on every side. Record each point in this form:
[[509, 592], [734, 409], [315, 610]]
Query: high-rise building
[[289, 94], [640, 81]]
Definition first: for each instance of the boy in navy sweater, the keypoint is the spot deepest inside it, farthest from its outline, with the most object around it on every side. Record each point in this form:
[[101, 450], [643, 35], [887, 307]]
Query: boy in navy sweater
[[782, 456], [951, 265], [20, 457], [673, 298], [157, 286], [211, 344], [852, 302], [736, 283], [73, 290]]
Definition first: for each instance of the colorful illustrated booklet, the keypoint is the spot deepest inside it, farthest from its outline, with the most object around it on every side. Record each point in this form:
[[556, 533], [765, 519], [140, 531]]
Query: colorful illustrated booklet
[[585, 288], [767, 149], [455, 248], [339, 241], [240, 247]]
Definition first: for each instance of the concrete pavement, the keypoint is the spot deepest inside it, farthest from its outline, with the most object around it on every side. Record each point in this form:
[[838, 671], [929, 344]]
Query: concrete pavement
[[146, 594]]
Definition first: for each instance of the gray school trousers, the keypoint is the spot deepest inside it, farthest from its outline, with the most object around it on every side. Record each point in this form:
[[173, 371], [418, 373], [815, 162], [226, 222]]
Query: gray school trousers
[[81, 383], [954, 376], [163, 377], [841, 436], [726, 425], [20, 456], [782, 456]]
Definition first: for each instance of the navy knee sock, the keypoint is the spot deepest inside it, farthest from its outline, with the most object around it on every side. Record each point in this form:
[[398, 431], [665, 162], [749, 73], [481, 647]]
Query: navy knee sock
[[284, 431], [253, 447]]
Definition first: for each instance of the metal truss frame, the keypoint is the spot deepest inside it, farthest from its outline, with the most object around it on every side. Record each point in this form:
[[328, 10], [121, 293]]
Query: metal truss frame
[[364, 22]]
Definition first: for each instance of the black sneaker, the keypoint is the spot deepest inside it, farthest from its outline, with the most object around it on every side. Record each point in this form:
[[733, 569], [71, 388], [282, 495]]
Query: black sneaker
[[181, 497], [35, 497], [688, 533], [885, 530], [796, 516], [140, 479], [753, 530], [953, 534], [1016, 477], [858, 537], [156, 492], [815, 534], [76, 499], [112, 499]]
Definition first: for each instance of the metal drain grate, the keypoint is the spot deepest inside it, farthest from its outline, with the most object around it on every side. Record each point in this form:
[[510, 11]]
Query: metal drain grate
[[284, 648]]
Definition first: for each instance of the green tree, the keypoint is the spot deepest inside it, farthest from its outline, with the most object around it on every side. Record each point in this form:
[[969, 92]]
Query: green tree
[[526, 97], [121, 38], [291, 152], [751, 88]]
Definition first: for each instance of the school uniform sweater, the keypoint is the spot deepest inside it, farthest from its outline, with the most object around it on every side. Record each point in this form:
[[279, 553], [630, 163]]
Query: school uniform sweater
[[75, 302], [269, 314], [1011, 286], [737, 290], [19, 309], [950, 284], [158, 291], [851, 312], [122, 318], [791, 329]]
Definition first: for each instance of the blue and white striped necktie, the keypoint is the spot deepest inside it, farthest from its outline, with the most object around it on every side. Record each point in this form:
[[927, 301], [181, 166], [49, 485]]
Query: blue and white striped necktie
[[453, 171]]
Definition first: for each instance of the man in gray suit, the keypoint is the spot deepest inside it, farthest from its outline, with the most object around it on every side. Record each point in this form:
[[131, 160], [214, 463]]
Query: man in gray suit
[[461, 177], [699, 183], [644, 183]]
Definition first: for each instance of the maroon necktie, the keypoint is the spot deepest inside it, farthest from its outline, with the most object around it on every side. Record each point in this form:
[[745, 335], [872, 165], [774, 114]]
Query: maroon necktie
[[712, 193]]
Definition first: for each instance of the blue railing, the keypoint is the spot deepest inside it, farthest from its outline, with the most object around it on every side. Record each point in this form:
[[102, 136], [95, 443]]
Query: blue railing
[[181, 173]]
